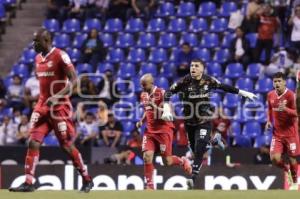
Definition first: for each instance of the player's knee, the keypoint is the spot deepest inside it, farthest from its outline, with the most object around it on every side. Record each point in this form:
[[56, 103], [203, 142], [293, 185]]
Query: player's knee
[[167, 161], [34, 144], [275, 159], [147, 157]]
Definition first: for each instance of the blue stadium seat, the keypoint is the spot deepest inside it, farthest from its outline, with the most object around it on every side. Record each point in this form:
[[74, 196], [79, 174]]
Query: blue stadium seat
[[156, 25], [125, 40], [261, 116], [177, 25], [203, 54], [148, 68], [215, 99], [227, 8], [236, 128], [80, 68], [167, 40], [162, 82], [21, 70], [231, 100], [51, 140], [107, 39], [264, 85], [146, 40], [113, 25], [242, 141], [252, 129], [291, 84], [135, 25], [78, 40], [165, 10], [52, 25], [90, 24], [227, 81], [127, 70], [136, 55], [74, 54], [227, 40], [2, 13], [158, 55], [190, 38], [245, 84], [219, 25], [128, 127], [253, 70], [71, 26], [207, 9], [174, 53], [28, 56], [169, 70], [115, 55], [221, 55], [102, 67], [214, 69], [252, 38], [137, 86], [210, 40], [263, 140], [186, 9], [198, 25], [234, 70], [61, 41]]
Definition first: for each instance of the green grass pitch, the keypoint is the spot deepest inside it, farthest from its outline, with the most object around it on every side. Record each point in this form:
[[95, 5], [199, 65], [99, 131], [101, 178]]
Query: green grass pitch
[[280, 194]]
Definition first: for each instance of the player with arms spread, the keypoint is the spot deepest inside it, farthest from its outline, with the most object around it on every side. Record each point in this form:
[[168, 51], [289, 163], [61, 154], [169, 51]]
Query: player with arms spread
[[282, 116], [53, 111], [158, 136], [194, 91]]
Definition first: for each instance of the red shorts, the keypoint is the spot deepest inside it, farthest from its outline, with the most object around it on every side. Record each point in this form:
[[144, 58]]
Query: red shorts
[[158, 142], [60, 121], [289, 145]]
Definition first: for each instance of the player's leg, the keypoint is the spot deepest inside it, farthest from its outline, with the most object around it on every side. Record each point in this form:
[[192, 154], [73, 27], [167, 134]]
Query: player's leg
[[148, 148], [40, 128], [66, 135], [165, 143], [276, 149], [293, 150], [201, 136], [294, 168]]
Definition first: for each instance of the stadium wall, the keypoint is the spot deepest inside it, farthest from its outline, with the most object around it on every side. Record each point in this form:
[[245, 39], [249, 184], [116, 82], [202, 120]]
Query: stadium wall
[[113, 177]]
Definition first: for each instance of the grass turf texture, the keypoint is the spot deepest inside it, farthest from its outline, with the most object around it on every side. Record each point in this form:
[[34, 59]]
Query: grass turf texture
[[280, 194]]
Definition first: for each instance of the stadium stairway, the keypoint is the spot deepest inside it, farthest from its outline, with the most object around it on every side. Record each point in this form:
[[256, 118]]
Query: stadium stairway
[[20, 33]]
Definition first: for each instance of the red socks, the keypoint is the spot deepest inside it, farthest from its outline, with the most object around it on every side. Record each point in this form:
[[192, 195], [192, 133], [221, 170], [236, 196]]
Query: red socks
[[148, 172], [32, 159], [79, 165]]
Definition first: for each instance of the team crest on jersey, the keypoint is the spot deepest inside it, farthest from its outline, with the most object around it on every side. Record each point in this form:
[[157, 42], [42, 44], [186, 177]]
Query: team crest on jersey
[[50, 64]]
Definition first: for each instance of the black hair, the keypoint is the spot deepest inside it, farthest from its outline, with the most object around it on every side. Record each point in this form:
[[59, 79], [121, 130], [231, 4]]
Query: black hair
[[279, 75]]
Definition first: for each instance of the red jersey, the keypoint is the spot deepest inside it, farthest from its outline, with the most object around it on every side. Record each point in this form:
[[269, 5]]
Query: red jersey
[[284, 122], [153, 122], [51, 71]]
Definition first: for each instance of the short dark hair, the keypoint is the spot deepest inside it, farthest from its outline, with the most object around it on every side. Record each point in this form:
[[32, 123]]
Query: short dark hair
[[279, 75], [199, 60], [186, 44]]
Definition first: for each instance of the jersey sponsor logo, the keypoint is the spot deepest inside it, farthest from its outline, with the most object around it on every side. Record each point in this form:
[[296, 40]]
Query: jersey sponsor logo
[[195, 96], [45, 74], [50, 64]]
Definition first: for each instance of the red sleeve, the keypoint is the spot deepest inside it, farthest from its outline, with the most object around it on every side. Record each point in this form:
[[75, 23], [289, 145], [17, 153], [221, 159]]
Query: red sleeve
[[291, 106], [270, 112], [66, 62]]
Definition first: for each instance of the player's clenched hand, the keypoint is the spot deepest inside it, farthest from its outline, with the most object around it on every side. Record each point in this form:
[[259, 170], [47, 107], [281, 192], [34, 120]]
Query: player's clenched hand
[[139, 124], [247, 94], [52, 101], [167, 114], [268, 126]]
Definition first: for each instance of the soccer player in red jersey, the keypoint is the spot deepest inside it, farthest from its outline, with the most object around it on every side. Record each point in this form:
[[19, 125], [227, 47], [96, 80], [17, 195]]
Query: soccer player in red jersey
[[56, 77], [282, 116], [158, 136]]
